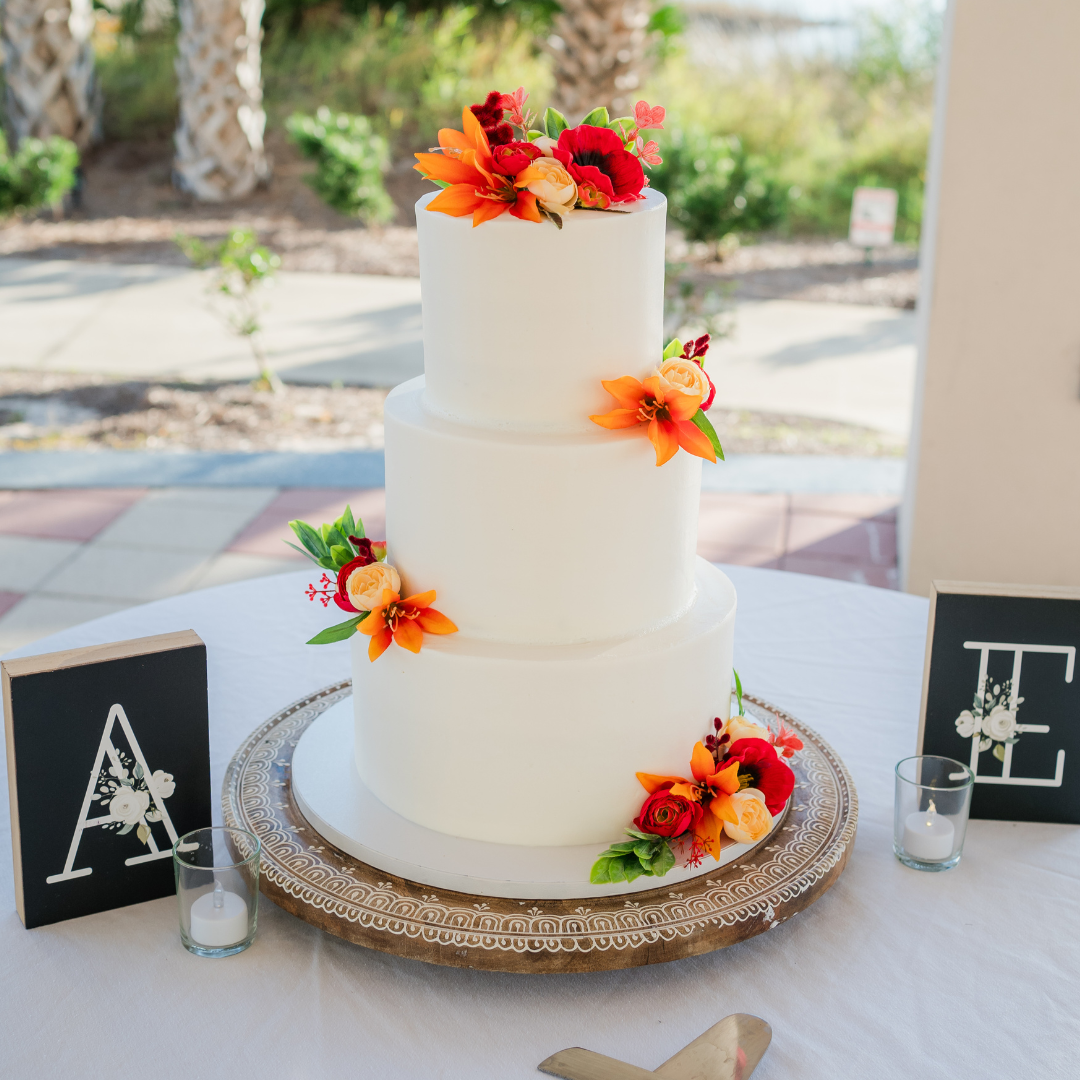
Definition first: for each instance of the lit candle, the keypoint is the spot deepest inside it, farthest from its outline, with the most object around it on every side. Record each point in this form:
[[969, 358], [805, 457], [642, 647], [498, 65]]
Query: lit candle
[[219, 919], [928, 836]]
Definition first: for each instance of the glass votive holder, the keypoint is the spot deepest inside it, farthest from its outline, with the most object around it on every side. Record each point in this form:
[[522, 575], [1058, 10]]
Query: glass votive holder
[[217, 885], [933, 797]]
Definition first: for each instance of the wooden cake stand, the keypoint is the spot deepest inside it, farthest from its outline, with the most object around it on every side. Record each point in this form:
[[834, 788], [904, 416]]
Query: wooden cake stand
[[303, 873]]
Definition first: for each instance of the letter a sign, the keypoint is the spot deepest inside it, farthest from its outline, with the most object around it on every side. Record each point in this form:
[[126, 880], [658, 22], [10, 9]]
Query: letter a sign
[[109, 763], [119, 781], [1000, 694]]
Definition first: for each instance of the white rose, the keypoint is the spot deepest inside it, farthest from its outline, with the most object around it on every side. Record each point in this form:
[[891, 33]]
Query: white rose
[[739, 727], [545, 145], [1000, 724], [755, 821], [367, 584], [129, 806], [163, 783], [552, 185], [967, 724], [686, 376]]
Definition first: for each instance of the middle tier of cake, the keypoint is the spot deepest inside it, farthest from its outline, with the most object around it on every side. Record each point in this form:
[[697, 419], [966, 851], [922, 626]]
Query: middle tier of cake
[[538, 539]]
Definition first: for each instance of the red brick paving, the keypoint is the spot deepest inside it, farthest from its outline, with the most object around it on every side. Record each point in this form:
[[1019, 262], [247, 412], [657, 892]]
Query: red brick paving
[[64, 514], [266, 533], [8, 600]]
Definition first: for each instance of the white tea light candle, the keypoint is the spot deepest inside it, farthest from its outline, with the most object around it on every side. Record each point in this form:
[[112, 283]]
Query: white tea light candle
[[928, 835], [219, 918]]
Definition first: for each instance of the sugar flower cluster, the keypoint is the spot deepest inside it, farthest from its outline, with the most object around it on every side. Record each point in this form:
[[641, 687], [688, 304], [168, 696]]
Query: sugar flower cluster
[[500, 162], [367, 587], [671, 403], [738, 785]]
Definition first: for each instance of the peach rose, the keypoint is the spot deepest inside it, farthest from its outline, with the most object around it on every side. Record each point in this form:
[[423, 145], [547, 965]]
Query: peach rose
[[366, 584], [552, 185], [739, 727], [686, 376], [755, 821]]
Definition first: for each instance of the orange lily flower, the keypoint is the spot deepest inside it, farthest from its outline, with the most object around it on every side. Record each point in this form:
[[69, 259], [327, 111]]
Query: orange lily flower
[[404, 621], [475, 188], [714, 782], [665, 408]]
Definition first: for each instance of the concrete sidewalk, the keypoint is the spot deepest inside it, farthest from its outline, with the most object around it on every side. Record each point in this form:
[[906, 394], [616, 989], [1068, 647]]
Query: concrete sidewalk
[[846, 362]]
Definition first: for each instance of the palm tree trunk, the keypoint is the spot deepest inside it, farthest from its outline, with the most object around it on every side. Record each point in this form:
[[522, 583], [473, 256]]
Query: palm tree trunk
[[599, 51], [49, 69], [219, 140]]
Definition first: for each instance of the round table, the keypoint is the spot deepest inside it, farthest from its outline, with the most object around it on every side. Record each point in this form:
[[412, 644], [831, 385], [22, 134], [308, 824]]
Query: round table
[[893, 973]]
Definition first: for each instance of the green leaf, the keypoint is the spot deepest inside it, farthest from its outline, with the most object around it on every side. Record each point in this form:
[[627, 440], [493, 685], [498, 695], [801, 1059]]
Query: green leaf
[[306, 554], [702, 421], [662, 861], [638, 835], [646, 849], [597, 118], [327, 562], [339, 632], [310, 538], [139, 772], [143, 832], [738, 691], [347, 524], [600, 872], [342, 554], [999, 751], [622, 125], [334, 536], [554, 125], [126, 829], [632, 868], [532, 136], [674, 348]]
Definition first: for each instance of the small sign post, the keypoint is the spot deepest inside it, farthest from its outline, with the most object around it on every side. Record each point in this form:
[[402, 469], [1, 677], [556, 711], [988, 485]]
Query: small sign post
[[873, 218]]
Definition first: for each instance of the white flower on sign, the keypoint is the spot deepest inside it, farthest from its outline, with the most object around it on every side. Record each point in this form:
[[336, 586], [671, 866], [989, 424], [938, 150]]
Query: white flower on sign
[[163, 783], [128, 806], [967, 724], [1000, 724]]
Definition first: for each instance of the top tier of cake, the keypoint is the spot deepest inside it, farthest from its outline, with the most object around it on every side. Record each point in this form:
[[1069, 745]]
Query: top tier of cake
[[527, 319]]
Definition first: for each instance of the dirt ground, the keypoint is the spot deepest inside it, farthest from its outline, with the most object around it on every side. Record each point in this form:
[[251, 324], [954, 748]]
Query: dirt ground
[[127, 211], [51, 411]]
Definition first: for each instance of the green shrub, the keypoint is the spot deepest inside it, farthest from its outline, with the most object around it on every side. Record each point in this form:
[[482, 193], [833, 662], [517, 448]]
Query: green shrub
[[39, 174], [714, 187], [138, 83], [350, 161]]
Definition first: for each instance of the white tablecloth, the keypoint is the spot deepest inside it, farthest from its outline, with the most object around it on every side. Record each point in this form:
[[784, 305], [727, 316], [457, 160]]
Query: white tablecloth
[[973, 973]]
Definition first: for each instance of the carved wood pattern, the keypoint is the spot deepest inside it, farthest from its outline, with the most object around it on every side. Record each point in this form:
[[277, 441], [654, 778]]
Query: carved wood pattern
[[307, 876]]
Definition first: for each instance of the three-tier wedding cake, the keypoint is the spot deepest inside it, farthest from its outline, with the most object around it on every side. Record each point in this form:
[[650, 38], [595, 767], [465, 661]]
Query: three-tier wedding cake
[[591, 641]]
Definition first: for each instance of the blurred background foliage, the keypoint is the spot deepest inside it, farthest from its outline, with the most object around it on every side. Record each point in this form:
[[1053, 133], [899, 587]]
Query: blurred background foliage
[[754, 143]]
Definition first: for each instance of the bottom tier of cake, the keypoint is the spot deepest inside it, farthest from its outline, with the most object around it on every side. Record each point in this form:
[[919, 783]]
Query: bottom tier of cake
[[538, 745]]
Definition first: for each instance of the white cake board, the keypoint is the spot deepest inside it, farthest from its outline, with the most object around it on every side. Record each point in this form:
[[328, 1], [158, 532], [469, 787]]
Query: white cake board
[[335, 801]]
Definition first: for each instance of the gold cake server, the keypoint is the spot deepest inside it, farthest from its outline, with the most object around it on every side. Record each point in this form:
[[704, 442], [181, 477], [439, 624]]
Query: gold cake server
[[729, 1050]]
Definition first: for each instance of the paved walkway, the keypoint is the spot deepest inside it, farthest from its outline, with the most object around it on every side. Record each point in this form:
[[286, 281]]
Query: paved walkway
[[834, 361], [69, 556]]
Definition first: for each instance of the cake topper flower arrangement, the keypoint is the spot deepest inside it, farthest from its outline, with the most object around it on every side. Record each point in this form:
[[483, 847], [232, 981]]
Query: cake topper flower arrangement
[[500, 162], [738, 786], [672, 402], [367, 587]]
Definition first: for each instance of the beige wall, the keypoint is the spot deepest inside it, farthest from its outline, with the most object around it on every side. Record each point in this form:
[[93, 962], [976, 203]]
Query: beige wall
[[994, 471]]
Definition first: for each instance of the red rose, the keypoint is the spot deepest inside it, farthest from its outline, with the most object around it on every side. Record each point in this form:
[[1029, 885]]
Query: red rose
[[510, 158], [341, 597], [759, 764], [601, 164], [664, 814]]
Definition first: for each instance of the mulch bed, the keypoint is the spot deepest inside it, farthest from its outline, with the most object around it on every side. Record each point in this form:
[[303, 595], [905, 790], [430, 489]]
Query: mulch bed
[[49, 411]]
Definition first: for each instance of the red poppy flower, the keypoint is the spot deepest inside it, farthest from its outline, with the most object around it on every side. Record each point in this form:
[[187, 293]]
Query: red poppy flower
[[760, 768], [604, 170]]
